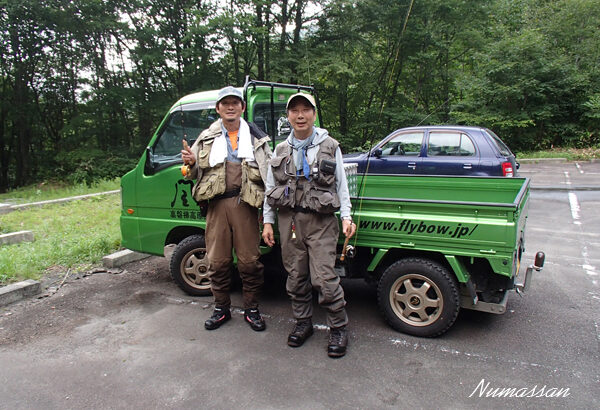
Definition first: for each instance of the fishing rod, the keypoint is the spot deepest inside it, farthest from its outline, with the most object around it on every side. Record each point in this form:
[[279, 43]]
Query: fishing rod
[[362, 184]]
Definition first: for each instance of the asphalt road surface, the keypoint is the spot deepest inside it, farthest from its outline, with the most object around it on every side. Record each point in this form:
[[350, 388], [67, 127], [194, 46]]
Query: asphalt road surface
[[133, 340]]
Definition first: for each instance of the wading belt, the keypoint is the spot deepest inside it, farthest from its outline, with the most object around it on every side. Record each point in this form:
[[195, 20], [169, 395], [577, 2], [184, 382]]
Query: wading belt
[[227, 194]]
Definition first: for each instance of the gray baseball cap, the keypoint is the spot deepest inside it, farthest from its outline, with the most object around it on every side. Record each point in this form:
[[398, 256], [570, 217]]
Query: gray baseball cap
[[229, 91]]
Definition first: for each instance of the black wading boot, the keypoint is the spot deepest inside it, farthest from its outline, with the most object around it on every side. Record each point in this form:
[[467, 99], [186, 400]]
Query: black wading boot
[[338, 340], [219, 316], [254, 319], [302, 331]]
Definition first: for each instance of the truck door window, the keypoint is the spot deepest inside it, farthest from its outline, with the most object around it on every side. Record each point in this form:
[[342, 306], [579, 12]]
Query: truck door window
[[407, 144], [450, 144]]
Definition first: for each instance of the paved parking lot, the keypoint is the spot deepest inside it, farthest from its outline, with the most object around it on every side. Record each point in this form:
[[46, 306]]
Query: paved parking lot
[[134, 340]]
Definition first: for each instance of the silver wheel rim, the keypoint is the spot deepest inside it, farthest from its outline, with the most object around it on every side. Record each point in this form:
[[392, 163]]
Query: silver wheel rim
[[194, 269], [416, 300]]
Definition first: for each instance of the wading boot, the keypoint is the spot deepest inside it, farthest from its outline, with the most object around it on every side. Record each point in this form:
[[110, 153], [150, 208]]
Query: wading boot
[[338, 340], [254, 319], [302, 331], [219, 316]]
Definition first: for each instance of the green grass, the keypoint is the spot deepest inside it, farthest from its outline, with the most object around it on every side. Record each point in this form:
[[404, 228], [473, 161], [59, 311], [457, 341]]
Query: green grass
[[571, 154], [73, 235], [54, 190]]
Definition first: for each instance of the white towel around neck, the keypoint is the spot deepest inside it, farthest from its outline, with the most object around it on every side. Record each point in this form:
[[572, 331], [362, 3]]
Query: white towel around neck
[[218, 153]]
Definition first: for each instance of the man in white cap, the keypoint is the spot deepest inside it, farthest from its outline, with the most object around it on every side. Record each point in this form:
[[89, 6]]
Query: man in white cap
[[306, 182], [229, 161]]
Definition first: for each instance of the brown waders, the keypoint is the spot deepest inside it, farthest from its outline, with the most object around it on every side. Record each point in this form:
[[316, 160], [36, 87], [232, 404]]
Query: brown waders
[[309, 259], [231, 223]]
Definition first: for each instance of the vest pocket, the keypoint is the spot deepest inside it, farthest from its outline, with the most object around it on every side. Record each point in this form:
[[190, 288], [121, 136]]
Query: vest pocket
[[203, 157], [252, 191], [322, 201], [325, 180], [278, 165], [209, 186], [253, 171], [253, 195], [281, 196], [325, 175]]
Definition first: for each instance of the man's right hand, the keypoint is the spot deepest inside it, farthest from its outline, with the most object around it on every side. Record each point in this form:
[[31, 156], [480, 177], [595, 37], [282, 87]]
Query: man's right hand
[[187, 155], [267, 234]]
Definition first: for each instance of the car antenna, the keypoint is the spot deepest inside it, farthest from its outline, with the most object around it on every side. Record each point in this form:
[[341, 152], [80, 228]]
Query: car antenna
[[436, 109]]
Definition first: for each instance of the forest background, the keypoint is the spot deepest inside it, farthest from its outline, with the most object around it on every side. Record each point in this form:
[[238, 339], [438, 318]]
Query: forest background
[[84, 83]]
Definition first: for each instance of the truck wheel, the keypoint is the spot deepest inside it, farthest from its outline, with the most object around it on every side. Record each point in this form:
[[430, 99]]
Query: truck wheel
[[418, 297], [189, 266]]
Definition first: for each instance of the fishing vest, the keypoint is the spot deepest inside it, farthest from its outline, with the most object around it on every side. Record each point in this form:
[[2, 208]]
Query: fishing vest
[[315, 193], [211, 182]]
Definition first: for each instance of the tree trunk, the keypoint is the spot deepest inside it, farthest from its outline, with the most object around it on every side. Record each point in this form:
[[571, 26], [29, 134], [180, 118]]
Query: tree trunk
[[260, 44], [343, 107], [284, 21], [268, 43], [5, 150], [296, 38]]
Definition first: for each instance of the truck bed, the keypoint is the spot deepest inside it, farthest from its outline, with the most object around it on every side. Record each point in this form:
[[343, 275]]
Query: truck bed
[[453, 216]]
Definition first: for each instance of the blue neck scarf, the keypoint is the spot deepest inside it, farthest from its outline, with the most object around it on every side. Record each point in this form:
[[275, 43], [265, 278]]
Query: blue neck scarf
[[302, 166]]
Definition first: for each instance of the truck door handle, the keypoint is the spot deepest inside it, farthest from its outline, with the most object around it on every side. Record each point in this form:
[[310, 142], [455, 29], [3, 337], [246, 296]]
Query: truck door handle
[[412, 165], [467, 166]]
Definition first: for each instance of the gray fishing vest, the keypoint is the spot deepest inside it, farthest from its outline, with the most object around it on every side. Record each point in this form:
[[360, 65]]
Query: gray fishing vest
[[316, 194]]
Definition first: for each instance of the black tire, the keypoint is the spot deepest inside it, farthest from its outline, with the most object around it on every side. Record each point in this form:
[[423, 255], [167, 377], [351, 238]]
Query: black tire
[[189, 266], [418, 297]]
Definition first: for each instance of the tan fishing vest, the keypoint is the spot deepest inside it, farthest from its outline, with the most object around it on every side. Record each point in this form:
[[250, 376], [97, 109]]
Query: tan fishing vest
[[319, 194], [212, 180]]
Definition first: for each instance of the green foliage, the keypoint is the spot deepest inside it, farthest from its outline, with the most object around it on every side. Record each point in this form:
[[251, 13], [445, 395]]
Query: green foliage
[[524, 84], [57, 189], [84, 83], [74, 235], [87, 166], [570, 154]]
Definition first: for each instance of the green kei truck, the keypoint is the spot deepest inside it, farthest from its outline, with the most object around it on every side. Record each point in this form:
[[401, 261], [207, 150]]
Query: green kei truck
[[431, 244]]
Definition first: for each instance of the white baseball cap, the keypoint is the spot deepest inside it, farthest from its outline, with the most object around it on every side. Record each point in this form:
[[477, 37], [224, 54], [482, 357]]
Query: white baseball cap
[[308, 98]]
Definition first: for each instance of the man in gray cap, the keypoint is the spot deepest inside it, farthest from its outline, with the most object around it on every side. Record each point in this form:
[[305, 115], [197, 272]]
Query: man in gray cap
[[306, 182], [229, 162]]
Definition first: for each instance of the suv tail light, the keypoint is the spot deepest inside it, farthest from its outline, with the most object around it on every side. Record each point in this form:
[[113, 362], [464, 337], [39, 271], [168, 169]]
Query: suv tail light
[[507, 169]]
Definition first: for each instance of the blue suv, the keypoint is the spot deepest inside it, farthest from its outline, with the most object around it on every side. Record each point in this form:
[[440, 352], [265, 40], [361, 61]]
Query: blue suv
[[438, 150]]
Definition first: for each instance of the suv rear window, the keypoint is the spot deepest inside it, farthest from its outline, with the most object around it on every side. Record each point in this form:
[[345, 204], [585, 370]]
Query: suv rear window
[[502, 148], [450, 144]]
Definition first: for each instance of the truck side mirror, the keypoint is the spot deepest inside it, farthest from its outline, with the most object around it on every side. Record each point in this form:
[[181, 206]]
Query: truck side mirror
[[377, 153]]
